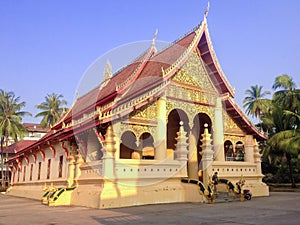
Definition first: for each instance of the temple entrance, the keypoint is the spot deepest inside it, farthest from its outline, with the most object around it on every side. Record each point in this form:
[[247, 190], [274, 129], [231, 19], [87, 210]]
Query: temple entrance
[[198, 129], [174, 118]]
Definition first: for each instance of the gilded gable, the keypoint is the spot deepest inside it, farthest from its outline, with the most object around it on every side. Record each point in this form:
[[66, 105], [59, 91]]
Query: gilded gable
[[193, 73], [230, 126]]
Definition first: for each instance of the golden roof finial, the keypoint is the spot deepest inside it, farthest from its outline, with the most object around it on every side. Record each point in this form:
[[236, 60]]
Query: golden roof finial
[[107, 74], [207, 9], [154, 37]]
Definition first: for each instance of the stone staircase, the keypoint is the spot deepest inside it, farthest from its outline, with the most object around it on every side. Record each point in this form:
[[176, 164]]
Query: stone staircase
[[225, 197]]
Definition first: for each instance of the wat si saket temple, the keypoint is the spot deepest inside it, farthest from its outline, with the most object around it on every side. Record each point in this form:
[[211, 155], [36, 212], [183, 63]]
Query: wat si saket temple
[[167, 116]]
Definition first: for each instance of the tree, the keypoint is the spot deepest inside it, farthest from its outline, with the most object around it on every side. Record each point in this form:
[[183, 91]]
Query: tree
[[52, 109], [10, 121], [287, 95], [284, 139], [256, 102], [283, 122]]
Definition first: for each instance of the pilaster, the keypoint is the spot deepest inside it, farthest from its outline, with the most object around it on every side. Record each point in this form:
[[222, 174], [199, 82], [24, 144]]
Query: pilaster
[[249, 149], [193, 166], [78, 162], [161, 140], [71, 170], [257, 156]]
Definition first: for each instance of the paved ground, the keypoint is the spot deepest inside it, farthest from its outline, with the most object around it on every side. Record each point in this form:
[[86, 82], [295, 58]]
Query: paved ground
[[280, 208]]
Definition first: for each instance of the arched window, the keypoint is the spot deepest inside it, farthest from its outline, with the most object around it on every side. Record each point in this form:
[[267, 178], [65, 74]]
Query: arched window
[[239, 151], [147, 146], [128, 145], [229, 151]]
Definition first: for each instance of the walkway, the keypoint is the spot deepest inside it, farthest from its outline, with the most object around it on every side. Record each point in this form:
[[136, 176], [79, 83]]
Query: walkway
[[279, 208]]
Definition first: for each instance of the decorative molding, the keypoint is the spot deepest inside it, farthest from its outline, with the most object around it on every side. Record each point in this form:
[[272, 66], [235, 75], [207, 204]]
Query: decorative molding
[[192, 110], [19, 163], [146, 112], [65, 150], [42, 153], [26, 159], [33, 156], [137, 129], [229, 125], [53, 150], [194, 73], [234, 138]]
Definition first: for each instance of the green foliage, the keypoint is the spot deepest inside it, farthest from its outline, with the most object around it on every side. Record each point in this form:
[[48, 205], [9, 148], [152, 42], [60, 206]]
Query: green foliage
[[281, 120], [278, 172], [11, 116], [255, 101], [51, 109], [10, 121]]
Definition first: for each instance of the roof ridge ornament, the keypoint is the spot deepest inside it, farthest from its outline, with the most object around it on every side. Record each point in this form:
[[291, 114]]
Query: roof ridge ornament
[[154, 37], [207, 10], [107, 74]]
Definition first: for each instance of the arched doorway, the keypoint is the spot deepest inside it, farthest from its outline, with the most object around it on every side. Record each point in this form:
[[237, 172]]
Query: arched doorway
[[228, 150], [198, 129], [174, 118], [128, 145], [147, 146]]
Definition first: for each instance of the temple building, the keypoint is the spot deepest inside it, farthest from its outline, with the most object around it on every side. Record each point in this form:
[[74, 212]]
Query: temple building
[[168, 115]]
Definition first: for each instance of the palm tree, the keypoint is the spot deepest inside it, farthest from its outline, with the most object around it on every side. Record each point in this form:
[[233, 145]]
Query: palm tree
[[288, 95], [286, 141], [283, 120], [255, 102], [52, 109], [10, 121]]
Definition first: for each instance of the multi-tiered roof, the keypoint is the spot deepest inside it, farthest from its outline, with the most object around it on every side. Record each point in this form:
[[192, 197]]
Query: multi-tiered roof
[[141, 82]]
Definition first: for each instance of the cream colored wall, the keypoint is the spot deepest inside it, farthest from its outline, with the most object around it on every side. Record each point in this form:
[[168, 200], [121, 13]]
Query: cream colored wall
[[54, 169]]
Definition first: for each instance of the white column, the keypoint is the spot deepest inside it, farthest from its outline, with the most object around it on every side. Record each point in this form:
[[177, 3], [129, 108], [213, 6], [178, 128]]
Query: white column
[[193, 166], [161, 134], [219, 132]]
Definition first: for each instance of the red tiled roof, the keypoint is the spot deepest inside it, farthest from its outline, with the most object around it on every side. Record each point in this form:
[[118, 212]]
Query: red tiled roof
[[151, 75], [18, 146], [148, 68]]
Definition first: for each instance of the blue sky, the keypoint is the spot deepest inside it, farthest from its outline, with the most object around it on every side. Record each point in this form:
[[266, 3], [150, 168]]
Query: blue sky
[[46, 46]]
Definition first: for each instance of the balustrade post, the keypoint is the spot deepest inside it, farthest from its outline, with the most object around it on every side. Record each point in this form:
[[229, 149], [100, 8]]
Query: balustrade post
[[181, 152], [109, 154], [207, 155]]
